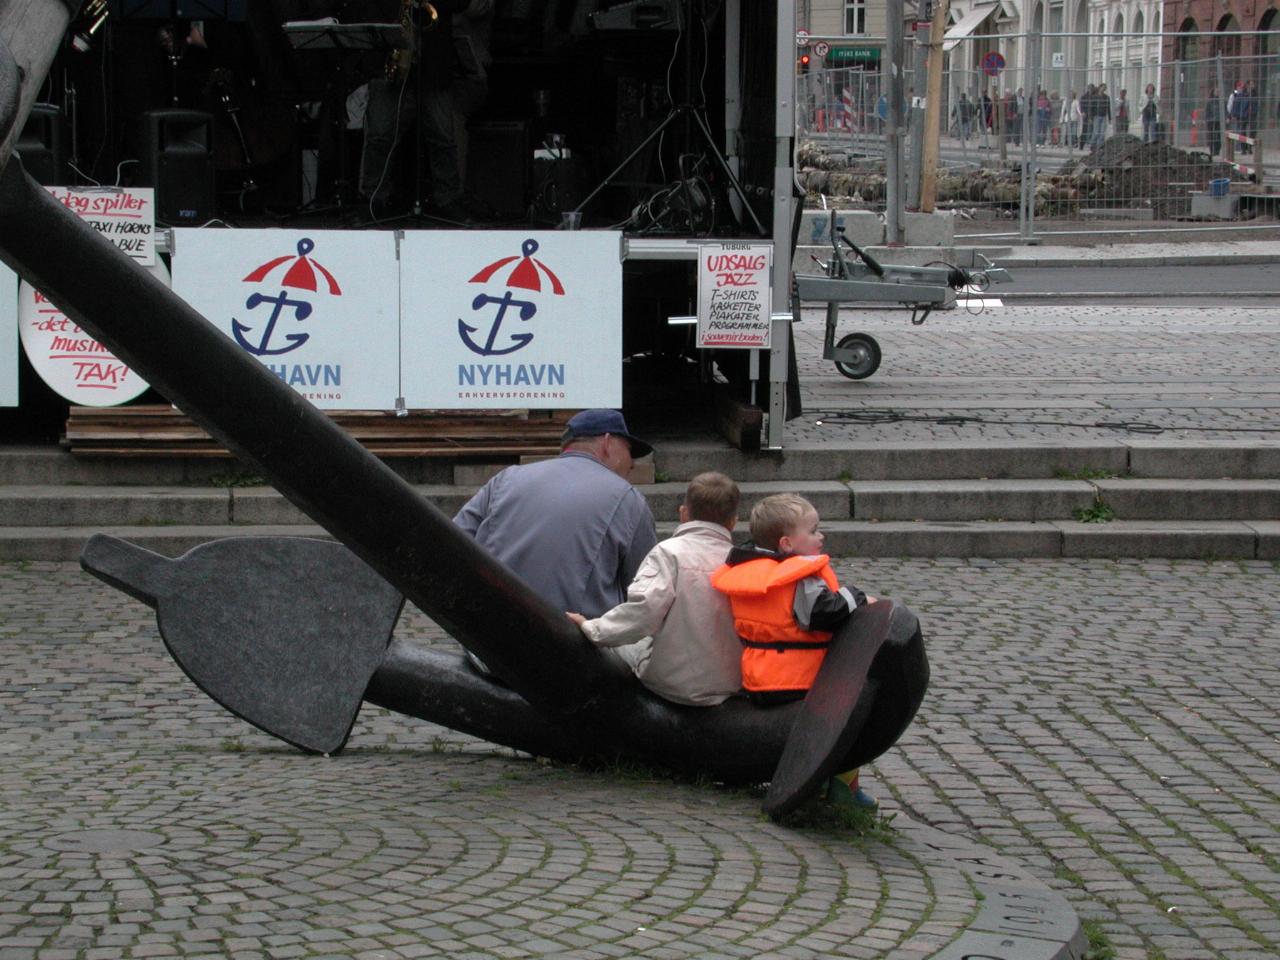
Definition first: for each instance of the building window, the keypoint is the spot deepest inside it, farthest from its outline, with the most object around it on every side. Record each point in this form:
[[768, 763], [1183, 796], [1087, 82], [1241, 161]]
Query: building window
[[855, 16]]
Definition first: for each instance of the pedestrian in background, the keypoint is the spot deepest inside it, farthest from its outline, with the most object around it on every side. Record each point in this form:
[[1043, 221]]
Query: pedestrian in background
[[1069, 119], [1122, 113], [1086, 114], [1213, 121], [1250, 113], [1233, 107], [1150, 115], [1101, 115]]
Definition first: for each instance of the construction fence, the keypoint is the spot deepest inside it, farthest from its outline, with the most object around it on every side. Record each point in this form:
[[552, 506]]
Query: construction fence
[[1059, 127]]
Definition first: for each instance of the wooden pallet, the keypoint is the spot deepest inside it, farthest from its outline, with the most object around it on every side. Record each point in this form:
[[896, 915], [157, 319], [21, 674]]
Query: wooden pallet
[[155, 430]]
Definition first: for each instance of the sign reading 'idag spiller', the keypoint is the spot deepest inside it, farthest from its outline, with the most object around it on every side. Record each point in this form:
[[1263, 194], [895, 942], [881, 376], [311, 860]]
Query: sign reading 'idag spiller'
[[75, 365]]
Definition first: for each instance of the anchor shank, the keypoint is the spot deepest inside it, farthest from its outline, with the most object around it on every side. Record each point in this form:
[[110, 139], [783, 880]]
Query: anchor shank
[[313, 462]]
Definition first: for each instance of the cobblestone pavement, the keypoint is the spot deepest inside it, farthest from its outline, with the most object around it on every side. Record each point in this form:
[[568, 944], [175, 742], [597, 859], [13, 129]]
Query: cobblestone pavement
[[1112, 727], [1047, 374]]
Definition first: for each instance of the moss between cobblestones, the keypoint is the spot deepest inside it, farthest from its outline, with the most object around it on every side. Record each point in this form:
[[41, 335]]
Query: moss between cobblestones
[[1099, 947]]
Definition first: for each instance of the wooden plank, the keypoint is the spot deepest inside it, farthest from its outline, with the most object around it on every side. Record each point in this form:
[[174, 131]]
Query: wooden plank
[[158, 430]]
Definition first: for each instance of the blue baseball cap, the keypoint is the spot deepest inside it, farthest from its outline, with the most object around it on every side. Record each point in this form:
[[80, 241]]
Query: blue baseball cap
[[595, 423]]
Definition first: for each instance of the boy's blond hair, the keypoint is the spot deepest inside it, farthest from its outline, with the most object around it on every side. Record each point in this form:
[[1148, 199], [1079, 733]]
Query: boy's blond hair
[[712, 497], [776, 516]]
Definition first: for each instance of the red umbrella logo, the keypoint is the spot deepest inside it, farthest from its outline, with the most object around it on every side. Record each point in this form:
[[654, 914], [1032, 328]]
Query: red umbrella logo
[[527, 273], [301, 274]]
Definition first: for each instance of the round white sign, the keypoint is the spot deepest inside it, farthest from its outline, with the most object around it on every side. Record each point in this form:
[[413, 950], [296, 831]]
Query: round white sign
[[73, 364], [802, 38], [821, 48]]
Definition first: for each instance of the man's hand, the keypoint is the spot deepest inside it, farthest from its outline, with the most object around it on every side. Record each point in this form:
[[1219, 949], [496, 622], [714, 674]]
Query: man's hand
[[577, 618]]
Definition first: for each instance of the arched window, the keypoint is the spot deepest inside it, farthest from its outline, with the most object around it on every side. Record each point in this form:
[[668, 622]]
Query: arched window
[[1137, 22], [1228, 46], [1119, 28], [1188, 45], [1268, 46]]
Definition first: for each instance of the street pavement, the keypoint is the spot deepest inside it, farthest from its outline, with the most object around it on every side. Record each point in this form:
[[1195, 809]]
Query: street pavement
[[1110, 728], [1107, 731], [1033, 372]]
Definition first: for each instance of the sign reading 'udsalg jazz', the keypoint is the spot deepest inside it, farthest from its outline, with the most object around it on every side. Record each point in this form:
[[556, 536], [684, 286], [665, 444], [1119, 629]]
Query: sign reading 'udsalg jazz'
[[735, 296]]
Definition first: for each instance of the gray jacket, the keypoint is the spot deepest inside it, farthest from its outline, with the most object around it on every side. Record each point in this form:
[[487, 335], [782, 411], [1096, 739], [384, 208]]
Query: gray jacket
[[570, 528]]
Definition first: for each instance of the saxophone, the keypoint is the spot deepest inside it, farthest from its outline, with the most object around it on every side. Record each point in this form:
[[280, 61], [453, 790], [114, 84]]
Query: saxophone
[[400, 60]]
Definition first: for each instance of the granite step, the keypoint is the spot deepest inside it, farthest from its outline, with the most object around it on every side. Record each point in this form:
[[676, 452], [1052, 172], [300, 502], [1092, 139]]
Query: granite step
[[1190, 539], [949, 500], [679, 460]]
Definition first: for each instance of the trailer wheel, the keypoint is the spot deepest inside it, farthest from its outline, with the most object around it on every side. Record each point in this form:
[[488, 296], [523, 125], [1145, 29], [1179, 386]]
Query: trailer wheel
[[867, 361]]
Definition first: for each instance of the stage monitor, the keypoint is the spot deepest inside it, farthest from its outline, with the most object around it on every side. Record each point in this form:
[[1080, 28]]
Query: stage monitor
[[180, 9]]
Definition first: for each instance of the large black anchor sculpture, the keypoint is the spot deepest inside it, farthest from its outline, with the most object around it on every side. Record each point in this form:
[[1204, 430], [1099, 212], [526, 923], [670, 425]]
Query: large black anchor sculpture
[[297, 662]]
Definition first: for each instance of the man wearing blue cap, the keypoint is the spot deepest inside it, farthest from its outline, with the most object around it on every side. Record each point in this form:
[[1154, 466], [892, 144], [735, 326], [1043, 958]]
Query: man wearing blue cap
[[573, 528]]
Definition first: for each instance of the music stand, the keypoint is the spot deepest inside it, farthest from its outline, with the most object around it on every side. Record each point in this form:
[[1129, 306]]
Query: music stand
[[344, 38], [180, 9]]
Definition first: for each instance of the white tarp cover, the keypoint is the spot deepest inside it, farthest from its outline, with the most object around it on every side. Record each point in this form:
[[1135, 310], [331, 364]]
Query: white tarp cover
[[966, 25]]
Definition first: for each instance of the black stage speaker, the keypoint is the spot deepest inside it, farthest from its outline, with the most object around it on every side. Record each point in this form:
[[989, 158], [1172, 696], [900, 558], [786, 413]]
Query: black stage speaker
[[177, 159], [41, 146], [498, 164]]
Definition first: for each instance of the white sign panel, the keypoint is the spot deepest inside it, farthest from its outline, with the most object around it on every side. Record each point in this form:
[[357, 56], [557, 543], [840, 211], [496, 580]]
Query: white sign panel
[[73, 364], [124, 215], [8, 337], [496, 319], [735, 298], [317, 307]]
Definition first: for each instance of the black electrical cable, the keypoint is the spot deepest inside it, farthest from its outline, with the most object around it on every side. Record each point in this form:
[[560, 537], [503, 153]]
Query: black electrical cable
[[874, 416]]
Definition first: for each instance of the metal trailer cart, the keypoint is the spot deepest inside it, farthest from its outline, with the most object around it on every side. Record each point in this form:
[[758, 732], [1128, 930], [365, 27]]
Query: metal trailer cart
[[857, 355]]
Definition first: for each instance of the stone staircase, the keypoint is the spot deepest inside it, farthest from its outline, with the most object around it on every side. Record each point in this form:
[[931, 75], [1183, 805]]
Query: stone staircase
[[1130, 499]]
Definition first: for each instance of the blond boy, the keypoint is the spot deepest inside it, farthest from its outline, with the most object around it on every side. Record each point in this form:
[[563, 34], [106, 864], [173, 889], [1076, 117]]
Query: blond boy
[[786, 604]]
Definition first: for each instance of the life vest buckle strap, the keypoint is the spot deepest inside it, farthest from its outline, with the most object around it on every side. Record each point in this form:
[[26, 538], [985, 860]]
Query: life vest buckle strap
[[783, 647]]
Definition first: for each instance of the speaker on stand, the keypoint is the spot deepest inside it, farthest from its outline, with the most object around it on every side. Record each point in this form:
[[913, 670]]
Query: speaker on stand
[[177, 160], [42, 145]]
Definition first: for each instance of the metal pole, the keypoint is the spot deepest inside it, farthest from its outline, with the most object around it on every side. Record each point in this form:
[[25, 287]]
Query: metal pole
[[893, 132], [1177, 103], [308, 457], [733, 93], [784, 129], [918, 119], [1222, 107], [935, 115], [1030, 131]]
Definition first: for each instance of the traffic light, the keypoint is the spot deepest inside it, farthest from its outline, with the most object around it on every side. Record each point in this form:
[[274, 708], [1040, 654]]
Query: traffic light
[[803, 62]]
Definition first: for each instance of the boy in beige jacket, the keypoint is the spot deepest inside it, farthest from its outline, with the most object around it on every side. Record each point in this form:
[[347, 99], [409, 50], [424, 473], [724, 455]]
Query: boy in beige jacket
[[674, 629]]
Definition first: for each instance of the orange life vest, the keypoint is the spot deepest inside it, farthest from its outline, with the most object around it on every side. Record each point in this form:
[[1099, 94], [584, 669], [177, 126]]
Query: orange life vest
[[777, 654]]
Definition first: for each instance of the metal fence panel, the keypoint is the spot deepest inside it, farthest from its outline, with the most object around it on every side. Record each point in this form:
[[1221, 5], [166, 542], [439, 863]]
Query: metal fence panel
[[1092, 126]]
